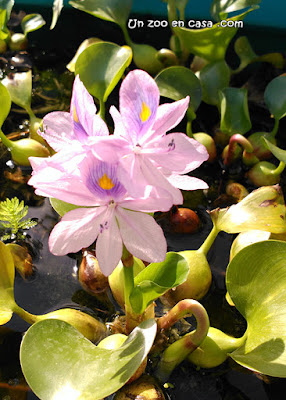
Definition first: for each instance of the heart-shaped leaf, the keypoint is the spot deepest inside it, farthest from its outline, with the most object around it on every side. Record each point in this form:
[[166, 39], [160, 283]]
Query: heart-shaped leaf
[[7, 275], [32, 22], [210, 43], [101, 65], [275, 96], [255, 280], [19, 86], [234, 111], [58, 362], [178, 82], [214, 76], [156, 279], [110, 10], [5, 103], [220, 9], [263, 209]]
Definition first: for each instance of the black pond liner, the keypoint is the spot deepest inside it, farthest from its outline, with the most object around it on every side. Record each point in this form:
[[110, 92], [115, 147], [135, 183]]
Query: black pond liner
[[54, 283]]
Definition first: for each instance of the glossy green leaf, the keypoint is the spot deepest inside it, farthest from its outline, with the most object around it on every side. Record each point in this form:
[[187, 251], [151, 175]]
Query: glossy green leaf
[[57, 8], [86, 43], [100, 67], [256, 280], [178, 82], [7, 275], [220, 8], [209, 43], [110, 10], [5, 12], [263, 209], [214, 76], [275, 96], [32, 22], [19, 86], [59, 363], [234, 111], [276, 151], [61, 207], [5, 103], [156, 279]]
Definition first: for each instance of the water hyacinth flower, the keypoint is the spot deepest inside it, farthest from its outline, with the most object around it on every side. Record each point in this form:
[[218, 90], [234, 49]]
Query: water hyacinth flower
[[81, 126], [113, 218], [151, 156]]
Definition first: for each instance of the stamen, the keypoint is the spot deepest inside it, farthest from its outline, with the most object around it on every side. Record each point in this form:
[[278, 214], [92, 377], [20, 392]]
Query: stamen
[[145, 112], [105, 182]]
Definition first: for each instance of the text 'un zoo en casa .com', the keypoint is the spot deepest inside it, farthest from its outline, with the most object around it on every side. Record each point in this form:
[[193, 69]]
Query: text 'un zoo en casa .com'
[[134, 23]]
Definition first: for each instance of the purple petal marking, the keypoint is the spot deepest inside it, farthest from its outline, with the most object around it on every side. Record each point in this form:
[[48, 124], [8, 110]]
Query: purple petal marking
[[139, 99], [101, 180]]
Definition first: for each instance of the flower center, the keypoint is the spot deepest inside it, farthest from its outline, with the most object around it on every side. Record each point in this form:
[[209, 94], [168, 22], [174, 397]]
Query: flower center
[[105, 182], [145, 112]]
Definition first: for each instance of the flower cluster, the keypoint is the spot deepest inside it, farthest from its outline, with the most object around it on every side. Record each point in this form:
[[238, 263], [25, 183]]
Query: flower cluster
[[116, 180]]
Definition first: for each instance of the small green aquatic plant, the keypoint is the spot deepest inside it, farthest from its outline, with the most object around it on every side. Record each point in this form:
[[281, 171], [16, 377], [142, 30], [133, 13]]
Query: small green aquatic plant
[[12, 219]]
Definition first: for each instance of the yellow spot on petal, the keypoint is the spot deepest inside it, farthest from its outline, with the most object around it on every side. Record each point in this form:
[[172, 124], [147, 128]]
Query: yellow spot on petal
[[75, 115], [105, 182], [145, 112]]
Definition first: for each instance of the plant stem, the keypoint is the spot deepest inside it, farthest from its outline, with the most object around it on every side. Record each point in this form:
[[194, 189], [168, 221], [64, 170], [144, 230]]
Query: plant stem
[[128, 261], [8, 143], [101, 112], [237, 138], [25, 315], [275, 128], [172, 13], [126, 35], [180, 349], [209, 240], [279, 169]]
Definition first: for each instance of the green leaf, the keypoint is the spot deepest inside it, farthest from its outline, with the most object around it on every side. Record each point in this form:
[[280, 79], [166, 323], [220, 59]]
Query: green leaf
[[5, 104], [110, 10], [19, 86], [214, 76], [209, 43], [178, 82], [57, 8], [61, 207], [100, 67], [275, 97], [220, 9], [255, 280], [7, 275], [234, 111], [156, 279], [32, 22], [276, 151], [263, 209], [58, 362]]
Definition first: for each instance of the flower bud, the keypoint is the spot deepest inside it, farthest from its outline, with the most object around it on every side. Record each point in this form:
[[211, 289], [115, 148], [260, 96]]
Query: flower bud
[[184, 220], [145, 57], [209, 144], [90, 327], [263, 174], [18, 41], [90, 276], [22, 149], [113, 342]]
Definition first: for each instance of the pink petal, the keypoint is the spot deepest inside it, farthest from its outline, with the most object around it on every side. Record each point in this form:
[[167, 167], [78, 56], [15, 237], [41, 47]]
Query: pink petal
[[177, 153], [109, 148], [109, 246], [82, 109], [139, 99], [141, 235], [186, 182], [77, 229], [168, 116], [58, 130]]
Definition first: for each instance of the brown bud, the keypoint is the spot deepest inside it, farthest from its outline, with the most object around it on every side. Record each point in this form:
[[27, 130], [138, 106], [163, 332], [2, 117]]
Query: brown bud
[[184, 220], [90, 276]]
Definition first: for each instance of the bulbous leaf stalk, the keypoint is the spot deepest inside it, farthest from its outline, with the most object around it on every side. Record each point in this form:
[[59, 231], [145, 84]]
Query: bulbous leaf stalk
[[237, 138], [180, 349]]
